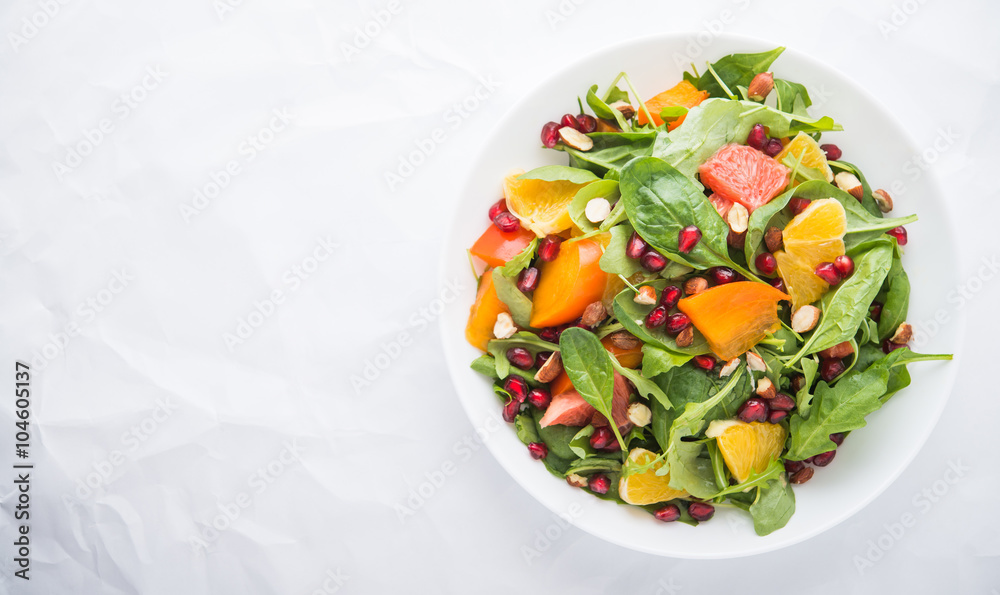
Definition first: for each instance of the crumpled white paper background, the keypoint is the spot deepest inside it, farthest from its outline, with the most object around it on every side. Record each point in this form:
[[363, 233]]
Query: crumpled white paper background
[[200, 249]]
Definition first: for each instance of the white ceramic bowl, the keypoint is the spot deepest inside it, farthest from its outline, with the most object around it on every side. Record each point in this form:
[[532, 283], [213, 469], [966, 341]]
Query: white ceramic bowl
[[873, 456]]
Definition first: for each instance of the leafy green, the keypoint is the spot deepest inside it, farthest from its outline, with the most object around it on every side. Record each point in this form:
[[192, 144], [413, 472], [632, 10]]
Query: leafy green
[[756, 479], [773, 507], [862, 226], [527, 430], [803, 399], [611, 151], [657, 361], [594, 464], [615, 261], [772, 214], [735, 70], [603, 110], [557, 437], [867, 199], [645, 386], [577, 207], [520, 262], [580, 443], [632, 315], [559, 173], [589, 368], [791, 97], [897, 300], [518, 303], [498, 349]]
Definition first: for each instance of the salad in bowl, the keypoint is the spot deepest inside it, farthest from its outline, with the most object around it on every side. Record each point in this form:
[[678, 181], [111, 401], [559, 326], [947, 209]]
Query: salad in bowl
[[701, 305]]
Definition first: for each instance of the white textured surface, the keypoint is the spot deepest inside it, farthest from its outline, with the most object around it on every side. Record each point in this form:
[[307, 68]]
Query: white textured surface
[[202, 429]]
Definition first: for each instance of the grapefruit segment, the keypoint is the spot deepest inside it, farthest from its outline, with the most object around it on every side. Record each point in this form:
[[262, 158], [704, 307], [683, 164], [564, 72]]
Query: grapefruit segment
[[745, 175], [570, 409]]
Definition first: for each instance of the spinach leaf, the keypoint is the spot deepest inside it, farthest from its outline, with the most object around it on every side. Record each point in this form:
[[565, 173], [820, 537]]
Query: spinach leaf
[[522, 261], [661, 201], [772, 214], [559, 173], [735, 70], [498, 349], [603, 110], [660, 426], [632, 316], [843, 407], [601, 189], [643, 385], [657, 361], [612, 150], [717, 122], [792, 97], [557, 437], [595, 464], [774, 506], [614, 261], [580, 443], [518, 303], [845, 306], [897, 300], [862, 226], [589, 368], [527, 430]]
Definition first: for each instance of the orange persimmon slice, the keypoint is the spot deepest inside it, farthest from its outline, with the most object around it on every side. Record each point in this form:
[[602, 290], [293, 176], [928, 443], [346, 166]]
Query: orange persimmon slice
[[570, 283], [483, 314], [683, 94], [496, 247], [734, 317]]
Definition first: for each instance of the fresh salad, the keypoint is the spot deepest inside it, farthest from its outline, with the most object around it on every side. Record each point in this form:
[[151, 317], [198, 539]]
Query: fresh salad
[[701, 306]]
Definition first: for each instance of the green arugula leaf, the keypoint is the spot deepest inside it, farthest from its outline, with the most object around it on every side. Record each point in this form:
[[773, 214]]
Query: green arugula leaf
[[867, 199], [792, 97], [559, 173], [658, 361], [773, 507], [518, 303], [736, 70], [803, 399], [591, 371], [774, 470], [595, 464], [580, 443], [515, 265]]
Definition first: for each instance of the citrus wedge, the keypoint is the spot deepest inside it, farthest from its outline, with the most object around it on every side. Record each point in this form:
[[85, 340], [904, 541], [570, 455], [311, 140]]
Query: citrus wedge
[[743, 174], [646, 487], [814, 236], [747, 446], [542, 206], [805, 148]]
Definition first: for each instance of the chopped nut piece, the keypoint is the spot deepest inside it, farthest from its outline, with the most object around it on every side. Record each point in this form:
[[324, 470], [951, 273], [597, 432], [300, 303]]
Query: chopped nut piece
[[883, 200], [624, 107], [594, 314], [730, 367], [577, 481], [760, 86], [624, 340], [738, 218], [755, 362], [551, 369], [805, 318], [686, 337], [773, 239], [646, 296], [695, 285], [765, 388], [801, 476], [850, 184], [576, 139], [597, 209], [504, 327], [903, 334], [639, 414], [838, 351]]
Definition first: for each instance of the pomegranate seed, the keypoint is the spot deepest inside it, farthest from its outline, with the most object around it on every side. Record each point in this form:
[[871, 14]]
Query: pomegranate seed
[[677, 323], [722, 275], [670, 296], [520, 357], [778, 283], [824, 459], [510, 410], [875, 311], [548, 248], [600, 484], [833, 152], [588, 123], [636, 246], [837, 438], [602, 437], [701, 511], [781, 402], [668, 514], [540, 398], [830, 369], [687, 238], [538, 450], [656, 317], [516, 387], [498, 207], [888, 346], [541, 357], [900, 234], [776, 417], [797, 205], [613, 446], [653, 261], [550, 134], [705, 362], [571, 121], [773, 147], [793, 466], [757, 138], [827, 272], [844, 265], [550, 334], [753, 409], [505, 221], [527, 281], [802, 475], [766, 263]]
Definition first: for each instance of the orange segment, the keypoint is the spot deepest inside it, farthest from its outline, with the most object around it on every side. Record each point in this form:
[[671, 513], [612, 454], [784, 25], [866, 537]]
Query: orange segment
[[483, 314], [814, 236], [542, 207], [496, 247], [646, 487], [570, 283], [747, 446], [683, 94], [734, 317], [805, 148]]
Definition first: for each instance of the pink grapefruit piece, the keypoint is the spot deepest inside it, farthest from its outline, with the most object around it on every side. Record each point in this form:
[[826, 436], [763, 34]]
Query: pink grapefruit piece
[[745, 175]]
